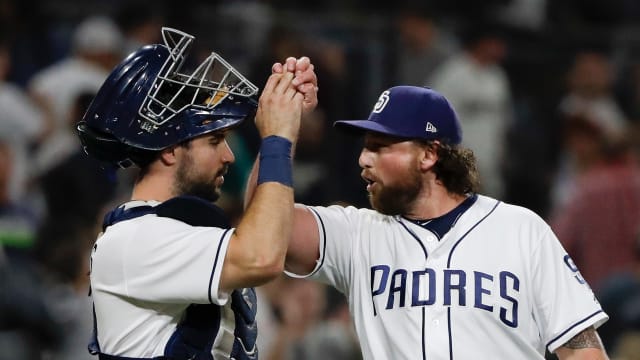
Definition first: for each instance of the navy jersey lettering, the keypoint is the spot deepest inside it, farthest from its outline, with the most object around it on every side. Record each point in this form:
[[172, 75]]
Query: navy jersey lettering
[[572, 266], [451, 285], [480, 290], [430, 281], [382, 285], [506, 278], [398, 286], [390, 288]]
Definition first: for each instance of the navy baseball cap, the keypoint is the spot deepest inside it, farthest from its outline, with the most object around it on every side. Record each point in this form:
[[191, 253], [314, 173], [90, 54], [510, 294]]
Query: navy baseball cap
[[411, 112]]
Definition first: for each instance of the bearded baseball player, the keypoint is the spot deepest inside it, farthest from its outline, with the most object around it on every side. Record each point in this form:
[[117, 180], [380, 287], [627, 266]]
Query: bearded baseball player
[[170, 278], [435, 270]]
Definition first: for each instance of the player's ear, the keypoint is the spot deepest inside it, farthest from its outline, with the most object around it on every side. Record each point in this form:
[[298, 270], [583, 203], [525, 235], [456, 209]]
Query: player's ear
[[429, 155], [168, 156]]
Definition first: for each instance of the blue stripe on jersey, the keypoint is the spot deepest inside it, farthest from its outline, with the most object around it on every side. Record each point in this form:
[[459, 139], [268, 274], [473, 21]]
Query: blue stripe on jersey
[[324, 242], [467, 233], [424, 335], [573, 326], [450, 333], [426, 255], [94, 346], [215, 264], [115, 357], [449, 265], [424, 250]]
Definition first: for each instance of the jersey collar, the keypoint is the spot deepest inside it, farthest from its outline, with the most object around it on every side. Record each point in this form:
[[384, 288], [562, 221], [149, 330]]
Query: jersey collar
[[440, 225]]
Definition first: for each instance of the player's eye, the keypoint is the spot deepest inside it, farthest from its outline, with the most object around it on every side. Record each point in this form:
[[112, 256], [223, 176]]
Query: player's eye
[[374, 145], [216, 140]]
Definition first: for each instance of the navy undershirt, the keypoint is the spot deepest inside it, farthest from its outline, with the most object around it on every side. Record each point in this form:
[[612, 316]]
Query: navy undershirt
[[441, 225]]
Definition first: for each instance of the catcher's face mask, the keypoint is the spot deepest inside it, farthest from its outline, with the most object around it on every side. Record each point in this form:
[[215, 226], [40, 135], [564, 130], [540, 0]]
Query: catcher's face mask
[[204, 88]]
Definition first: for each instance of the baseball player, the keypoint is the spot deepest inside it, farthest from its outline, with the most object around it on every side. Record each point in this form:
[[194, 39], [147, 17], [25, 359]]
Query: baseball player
[[435, 270], [170, 278]]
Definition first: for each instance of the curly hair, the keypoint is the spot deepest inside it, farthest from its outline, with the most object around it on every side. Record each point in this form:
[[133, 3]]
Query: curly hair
[[456, 168]]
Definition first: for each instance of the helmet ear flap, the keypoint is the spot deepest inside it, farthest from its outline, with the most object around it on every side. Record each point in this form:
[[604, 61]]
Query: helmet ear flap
[[106, 148]]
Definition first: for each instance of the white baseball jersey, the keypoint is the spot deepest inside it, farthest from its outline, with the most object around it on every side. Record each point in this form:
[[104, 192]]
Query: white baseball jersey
[[146, 272], [497, 285]]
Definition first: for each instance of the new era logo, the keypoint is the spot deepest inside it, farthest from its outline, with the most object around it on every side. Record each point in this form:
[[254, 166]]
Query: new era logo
[[431, 128]]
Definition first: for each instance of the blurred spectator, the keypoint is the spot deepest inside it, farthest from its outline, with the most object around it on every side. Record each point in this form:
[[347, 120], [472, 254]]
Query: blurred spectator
[[27, 327], [300, 319], [335, 336], [590, 91], [529, 15], [64, 142], [589, 96], [69, 184], [629, 89], [298, 305], [62, 253], [140, 24], [477, 86], [619, 294], [577, 15], [22, 126], [423, 44], [598, 225], [281, 43], [309, 170], [267, 317], [242, 32], [628, 348], [17, 223], [97, 43]]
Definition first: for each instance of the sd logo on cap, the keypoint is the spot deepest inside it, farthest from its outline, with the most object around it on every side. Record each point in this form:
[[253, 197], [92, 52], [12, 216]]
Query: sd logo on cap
[[411, 112]]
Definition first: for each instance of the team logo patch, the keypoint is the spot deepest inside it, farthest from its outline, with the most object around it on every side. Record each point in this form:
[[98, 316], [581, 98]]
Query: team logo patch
[[431, 128], [382, 102]]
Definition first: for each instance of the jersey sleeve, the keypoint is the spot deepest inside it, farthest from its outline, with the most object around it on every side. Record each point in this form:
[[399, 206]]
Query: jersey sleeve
[[167, 261], [337, 228], [565, 304]]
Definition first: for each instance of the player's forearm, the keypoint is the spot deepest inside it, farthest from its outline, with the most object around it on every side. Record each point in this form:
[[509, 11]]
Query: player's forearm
[[261, 238], [581, 354], [252, 183], [584, 346]]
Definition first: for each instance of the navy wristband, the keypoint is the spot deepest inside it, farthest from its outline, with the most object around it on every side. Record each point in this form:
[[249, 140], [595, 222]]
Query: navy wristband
[[275, 161]]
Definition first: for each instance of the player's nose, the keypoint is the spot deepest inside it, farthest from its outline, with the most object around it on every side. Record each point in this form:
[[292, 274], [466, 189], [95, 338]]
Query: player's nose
[[365, 158], [227, 156]]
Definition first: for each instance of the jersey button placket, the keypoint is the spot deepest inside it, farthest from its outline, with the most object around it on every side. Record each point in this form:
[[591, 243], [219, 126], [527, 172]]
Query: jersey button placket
[[435, 331]]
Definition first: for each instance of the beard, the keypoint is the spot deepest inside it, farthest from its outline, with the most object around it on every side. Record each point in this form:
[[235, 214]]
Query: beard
[[190, 182], [397, 199]]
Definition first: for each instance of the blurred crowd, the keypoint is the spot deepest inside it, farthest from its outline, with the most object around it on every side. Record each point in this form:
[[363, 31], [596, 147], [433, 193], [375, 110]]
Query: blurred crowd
[[548, 94]]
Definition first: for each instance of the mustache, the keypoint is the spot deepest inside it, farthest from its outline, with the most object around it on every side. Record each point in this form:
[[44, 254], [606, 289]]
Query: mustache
[[223, 171], [366, 175]]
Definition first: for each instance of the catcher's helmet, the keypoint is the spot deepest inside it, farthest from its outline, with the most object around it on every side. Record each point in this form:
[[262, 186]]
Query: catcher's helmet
[[147, 104]]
